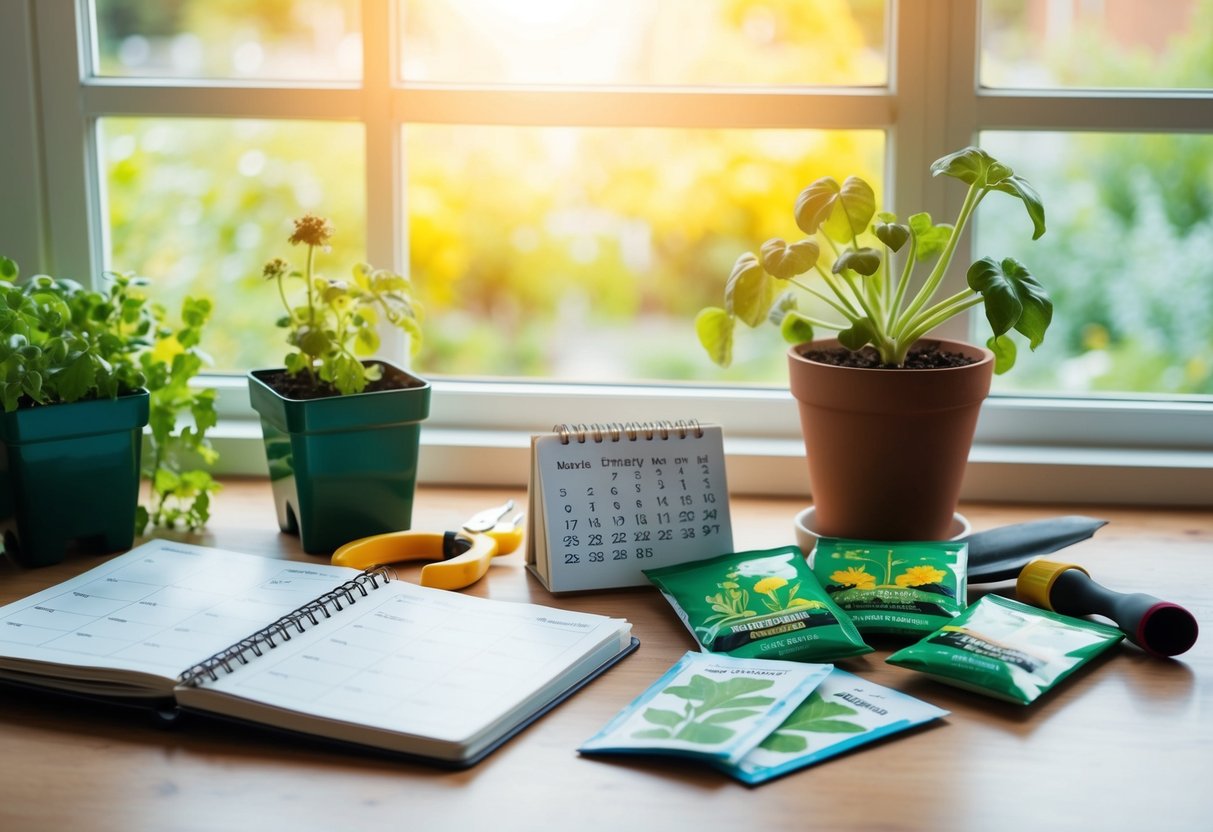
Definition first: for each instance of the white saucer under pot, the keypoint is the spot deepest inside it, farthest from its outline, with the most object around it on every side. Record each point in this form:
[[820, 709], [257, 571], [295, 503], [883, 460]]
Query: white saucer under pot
[[806, 535]]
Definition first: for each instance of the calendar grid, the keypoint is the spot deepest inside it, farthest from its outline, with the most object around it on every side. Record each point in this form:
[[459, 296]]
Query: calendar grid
[[610, 501]]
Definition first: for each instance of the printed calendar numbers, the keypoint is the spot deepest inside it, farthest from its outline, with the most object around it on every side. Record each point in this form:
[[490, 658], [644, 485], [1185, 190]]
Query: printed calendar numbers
[[609, 502]]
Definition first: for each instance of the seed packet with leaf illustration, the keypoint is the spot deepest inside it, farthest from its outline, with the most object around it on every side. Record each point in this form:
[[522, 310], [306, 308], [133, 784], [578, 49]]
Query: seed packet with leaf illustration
[[899, 588], [760, 603], [843, 713], [1008, 650], [709, 707]]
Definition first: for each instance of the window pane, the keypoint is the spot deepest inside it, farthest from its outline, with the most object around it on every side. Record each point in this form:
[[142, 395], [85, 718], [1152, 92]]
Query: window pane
[[198, 206], [1110, 43], [802, 42], [232, 39], [1128, 259], [584, 254]]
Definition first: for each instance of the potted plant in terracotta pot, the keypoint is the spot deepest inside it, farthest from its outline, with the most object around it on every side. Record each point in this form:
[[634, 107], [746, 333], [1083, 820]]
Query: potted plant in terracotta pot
[[887, 412], [341, 433], [74, 407]]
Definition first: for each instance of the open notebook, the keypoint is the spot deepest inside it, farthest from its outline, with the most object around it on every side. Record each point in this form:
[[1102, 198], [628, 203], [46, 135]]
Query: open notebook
[[317, 649]]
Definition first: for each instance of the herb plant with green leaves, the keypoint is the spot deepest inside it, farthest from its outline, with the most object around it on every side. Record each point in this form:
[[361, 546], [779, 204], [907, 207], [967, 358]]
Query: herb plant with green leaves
[[875, 300], [61, 342], [180, 491], [337, 321], [64, 343]]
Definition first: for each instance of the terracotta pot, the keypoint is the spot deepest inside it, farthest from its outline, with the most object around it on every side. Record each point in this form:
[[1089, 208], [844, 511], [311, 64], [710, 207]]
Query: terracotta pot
[[887, 449]]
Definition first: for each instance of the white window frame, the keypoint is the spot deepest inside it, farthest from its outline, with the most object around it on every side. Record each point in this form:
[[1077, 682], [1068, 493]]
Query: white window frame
[[1143, 450]]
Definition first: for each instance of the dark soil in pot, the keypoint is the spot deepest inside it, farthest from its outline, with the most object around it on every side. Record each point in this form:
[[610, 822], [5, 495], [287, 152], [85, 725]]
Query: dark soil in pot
[[303, 386], [927, 357]]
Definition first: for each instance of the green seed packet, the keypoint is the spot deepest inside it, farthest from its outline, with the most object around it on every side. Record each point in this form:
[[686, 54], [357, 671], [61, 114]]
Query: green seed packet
[[709, 707], [843, 713], [899, 588], [1008, 650], [759, 604]]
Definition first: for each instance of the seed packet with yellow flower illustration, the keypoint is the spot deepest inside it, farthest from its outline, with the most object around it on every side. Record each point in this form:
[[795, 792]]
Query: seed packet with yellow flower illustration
[[714, 708], [1008, 650], [843, 713], [900, 588], [761, 603]]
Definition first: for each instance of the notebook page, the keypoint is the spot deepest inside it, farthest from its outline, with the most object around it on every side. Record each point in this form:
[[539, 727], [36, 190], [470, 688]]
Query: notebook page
[[406, 659], [156, 610]]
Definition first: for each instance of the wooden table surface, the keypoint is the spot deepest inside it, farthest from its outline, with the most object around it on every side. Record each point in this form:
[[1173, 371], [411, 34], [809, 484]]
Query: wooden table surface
[[1125, 744]]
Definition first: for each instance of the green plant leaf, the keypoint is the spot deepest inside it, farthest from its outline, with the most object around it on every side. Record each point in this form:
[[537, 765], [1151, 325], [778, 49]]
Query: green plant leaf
[[971, 165], [1004, 352], [8, 269], [864, 261], [892, 234], [76, 378], [1013, 298], [929, 239], [1018, 186], [795, 328], [857, 335], [749, 292], [714, 327], [786, 261], [815, 204]]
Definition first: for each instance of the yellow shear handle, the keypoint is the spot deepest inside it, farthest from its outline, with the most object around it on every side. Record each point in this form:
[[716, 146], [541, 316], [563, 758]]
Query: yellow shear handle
[[455, 573]]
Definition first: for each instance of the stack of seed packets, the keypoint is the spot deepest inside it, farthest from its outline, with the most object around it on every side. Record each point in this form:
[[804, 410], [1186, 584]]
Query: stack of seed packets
[[756, 719]]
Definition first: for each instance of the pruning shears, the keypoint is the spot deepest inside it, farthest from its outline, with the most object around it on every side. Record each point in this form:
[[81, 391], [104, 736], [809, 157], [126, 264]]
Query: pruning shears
[[461, 557]]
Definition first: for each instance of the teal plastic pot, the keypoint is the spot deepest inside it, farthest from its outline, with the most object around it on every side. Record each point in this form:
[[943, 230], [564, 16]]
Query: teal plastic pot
[[70, 472], [342, 467]]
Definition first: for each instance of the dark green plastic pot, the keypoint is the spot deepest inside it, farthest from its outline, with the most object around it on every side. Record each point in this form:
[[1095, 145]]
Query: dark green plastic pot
[[342, 467], [70, 472]]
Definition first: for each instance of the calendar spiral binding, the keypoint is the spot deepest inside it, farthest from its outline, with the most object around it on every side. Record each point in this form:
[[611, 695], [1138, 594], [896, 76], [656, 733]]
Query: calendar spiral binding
[[632, 431], [225, 660]]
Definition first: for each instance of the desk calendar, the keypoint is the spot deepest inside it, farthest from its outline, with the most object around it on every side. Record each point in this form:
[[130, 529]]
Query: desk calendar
[[609, 501]]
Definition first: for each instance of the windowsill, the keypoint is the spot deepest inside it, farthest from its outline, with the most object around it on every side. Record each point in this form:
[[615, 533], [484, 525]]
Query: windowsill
[[1019, 473]]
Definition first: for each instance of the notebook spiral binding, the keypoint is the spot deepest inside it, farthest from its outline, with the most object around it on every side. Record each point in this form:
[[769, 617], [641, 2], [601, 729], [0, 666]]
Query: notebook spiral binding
[[226, 659], [617, 431]]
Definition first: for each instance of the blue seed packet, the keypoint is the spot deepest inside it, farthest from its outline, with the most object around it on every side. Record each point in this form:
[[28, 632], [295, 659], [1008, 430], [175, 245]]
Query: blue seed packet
[[709, 707], [843, 713]]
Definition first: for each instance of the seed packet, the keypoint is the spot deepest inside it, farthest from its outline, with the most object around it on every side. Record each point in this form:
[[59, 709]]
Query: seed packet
[[761, 603], [899, 588], [843, 713], [1008, 650], [709, 707]]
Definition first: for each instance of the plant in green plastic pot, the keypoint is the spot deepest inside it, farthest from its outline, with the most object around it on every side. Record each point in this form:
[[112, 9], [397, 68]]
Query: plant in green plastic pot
[[883, 386], [83, 371], [341, 430]]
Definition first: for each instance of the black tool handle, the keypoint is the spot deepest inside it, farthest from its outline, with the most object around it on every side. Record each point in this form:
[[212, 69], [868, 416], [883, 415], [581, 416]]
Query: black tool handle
[[1158, 627]]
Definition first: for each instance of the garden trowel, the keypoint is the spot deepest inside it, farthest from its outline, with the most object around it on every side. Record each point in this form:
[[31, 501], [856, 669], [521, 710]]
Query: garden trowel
[[999, 554]]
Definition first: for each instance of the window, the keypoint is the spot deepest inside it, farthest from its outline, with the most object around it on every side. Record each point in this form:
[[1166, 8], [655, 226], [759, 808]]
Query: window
[[574, 180]]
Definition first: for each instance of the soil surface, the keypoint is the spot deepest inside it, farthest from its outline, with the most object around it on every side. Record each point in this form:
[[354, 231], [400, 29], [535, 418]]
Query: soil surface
[[302, 386], [925, 357]]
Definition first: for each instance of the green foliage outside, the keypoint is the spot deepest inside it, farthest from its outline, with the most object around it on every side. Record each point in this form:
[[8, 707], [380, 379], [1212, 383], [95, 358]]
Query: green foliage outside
[[584, 253]]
